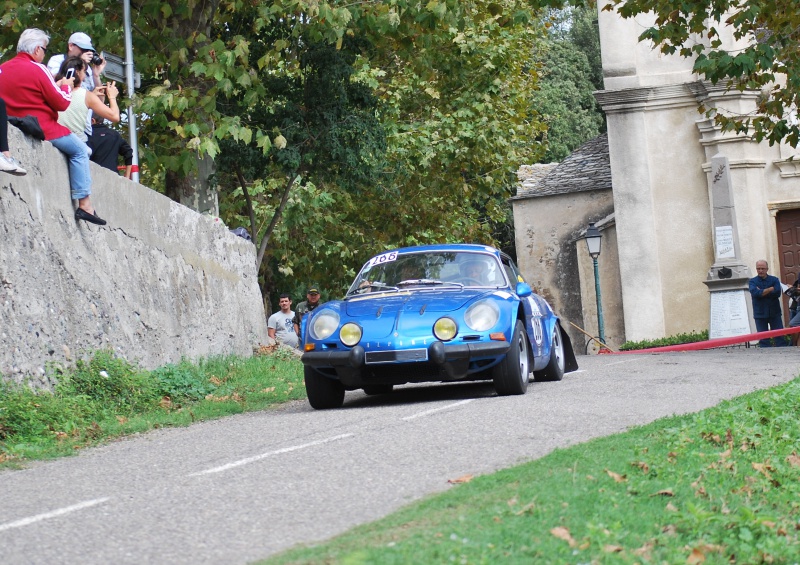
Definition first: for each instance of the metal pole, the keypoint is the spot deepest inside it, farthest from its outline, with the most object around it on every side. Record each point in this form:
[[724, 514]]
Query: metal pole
[[600, 324], [131, 93]]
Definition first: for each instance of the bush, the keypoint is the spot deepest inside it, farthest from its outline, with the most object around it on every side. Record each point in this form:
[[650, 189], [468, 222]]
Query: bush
[[664, 341], [182, 381], [111, 381]]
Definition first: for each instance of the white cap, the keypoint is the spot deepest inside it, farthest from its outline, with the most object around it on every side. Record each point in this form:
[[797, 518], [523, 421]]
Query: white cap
[[81, 40]]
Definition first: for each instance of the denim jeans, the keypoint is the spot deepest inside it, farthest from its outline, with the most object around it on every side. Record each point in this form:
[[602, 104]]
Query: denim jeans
[[80, 180]]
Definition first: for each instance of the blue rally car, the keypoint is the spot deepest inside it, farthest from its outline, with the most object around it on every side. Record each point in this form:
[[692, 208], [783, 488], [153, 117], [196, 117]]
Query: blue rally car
[[433, 313]]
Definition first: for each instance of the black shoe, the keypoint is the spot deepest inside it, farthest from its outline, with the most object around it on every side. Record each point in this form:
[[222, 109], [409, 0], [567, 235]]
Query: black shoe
[[81, 214]]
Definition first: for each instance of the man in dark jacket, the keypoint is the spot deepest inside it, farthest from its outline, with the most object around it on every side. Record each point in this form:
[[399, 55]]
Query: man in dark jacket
[[765, 291], [107, 145]]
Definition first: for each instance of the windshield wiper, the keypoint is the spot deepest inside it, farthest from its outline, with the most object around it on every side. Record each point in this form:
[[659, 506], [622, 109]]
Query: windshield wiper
[[367, 286]]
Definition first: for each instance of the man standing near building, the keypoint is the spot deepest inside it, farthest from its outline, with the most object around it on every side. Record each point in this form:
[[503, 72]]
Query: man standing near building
[[308, 305], [765, 291], [279, 325]]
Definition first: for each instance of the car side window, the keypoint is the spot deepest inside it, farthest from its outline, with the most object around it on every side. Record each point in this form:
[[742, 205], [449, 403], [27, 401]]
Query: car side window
[[511, 271]]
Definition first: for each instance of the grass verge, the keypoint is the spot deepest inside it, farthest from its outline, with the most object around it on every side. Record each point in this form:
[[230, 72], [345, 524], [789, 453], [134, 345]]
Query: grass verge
[[719, 486], [107, 397]]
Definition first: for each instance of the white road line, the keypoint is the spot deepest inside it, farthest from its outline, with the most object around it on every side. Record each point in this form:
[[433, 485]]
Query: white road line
[[53, 514], [620, 362], [427, 412], [255, 458]]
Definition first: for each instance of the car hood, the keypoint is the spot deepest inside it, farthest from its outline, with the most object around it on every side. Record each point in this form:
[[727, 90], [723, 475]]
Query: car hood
[[409, 312], [377, 305]]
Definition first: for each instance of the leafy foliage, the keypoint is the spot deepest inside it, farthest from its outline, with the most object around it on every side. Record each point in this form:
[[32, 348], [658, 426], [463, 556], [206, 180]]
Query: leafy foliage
[[405, 120], [107, 397], [764, 57], [570, 72]]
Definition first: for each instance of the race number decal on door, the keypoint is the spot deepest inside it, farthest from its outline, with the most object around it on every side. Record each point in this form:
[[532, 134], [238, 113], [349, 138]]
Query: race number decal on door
[[536, 321]]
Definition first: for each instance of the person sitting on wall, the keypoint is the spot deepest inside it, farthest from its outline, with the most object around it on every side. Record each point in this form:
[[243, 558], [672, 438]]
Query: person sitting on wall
[[7, 163], [108, 145], [84, 101]]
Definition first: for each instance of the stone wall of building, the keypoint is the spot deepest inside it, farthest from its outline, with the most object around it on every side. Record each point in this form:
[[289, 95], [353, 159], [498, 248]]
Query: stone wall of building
[[158, 283]]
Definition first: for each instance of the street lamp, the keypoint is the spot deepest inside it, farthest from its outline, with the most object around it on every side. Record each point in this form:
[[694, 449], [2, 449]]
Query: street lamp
[[593, 238]]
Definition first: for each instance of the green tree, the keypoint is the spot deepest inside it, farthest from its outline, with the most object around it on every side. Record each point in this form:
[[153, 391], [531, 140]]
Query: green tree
[[765, 58], [570, 72], [454, 102]]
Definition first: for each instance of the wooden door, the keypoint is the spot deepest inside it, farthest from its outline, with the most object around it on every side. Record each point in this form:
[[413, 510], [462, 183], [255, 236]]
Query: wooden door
[[788, 223]]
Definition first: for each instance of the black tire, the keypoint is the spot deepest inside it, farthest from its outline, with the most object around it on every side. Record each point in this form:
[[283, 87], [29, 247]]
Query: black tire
[[511, 374], [554, 371], [378, 389], [322, 391]]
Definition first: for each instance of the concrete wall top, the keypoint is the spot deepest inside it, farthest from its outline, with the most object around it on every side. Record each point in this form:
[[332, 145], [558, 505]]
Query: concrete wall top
[[158, 283]]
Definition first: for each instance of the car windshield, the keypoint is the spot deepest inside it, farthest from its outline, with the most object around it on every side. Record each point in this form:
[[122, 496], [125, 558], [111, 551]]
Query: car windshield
[[393, 271]]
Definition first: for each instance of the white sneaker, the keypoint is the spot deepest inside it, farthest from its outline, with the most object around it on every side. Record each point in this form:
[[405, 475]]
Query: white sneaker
[[11, 165]]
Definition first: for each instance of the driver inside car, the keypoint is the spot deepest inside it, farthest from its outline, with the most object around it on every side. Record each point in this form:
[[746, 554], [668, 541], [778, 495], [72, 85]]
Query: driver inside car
[[475, 271]]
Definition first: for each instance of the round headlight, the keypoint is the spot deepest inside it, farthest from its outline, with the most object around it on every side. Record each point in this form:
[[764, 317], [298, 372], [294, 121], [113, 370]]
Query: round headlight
[[482, 315], [350, 334], [324, 324], [445, 329]]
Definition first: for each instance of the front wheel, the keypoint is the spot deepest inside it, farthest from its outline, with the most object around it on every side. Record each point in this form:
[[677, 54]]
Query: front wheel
[[322, 392], [511, 374], [554, 371]]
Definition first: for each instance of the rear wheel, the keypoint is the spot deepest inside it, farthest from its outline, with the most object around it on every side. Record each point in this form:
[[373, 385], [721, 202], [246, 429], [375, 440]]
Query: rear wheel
[[511, 374], [554, 371], [322, 391]]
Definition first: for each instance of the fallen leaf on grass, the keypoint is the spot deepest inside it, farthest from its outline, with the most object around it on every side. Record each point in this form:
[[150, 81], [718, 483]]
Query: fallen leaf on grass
[[671, 507], [122, 419], [664, 492], [698, 554], [525, 509], [641, 465], [166, 403], [645, 550], [563, 533], [793, 459], [216, 381], [459, 480], [617, 477], [612, 548], [270, 389]]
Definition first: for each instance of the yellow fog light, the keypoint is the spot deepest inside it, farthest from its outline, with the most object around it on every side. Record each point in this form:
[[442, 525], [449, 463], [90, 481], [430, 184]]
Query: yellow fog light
[[350, 334], [445, 329]]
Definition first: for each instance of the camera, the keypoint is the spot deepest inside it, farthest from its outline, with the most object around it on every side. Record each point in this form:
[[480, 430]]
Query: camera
[[96, 59]]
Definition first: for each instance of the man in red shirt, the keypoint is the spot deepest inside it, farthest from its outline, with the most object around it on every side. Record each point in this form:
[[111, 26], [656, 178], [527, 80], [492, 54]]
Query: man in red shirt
[[28, 89]]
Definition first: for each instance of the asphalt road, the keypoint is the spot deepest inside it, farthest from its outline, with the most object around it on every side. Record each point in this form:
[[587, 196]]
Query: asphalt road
[[246, 487]]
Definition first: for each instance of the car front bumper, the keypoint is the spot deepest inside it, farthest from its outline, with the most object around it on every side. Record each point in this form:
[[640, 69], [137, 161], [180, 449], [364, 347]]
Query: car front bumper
[[453, 361]]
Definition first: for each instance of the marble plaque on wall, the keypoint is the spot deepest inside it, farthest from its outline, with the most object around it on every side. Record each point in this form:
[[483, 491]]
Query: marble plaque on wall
[[729, 316]]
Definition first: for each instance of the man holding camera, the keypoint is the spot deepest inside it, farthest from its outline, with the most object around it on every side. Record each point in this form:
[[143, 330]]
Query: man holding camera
[[80, 45]]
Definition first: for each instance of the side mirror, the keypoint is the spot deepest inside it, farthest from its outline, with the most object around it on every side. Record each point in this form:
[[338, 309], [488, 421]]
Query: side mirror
[[524, 290]]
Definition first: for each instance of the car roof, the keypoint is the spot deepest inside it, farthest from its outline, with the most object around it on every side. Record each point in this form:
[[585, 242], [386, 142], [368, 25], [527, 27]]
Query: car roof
[[450, 247]]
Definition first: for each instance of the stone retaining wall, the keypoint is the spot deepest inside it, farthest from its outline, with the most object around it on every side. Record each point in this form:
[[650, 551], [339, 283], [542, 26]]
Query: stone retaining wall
[[158, 283]]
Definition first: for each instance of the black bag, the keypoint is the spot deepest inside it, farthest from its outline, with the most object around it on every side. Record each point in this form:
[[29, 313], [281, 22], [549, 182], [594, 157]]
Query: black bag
[[29, 126]]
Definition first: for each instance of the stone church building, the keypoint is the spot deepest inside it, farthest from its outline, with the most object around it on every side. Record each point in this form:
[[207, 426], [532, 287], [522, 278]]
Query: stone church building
[[685, 211]]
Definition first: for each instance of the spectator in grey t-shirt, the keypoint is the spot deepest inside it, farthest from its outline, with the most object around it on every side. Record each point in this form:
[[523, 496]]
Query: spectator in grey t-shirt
[[280, 325]]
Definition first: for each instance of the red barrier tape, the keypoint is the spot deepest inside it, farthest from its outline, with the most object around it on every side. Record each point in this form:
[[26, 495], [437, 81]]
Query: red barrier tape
[[712, 343]]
